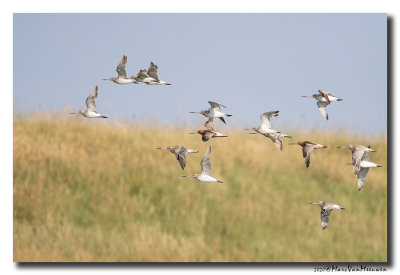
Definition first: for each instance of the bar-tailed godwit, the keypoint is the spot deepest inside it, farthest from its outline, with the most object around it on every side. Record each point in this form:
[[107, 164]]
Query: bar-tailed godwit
[[324, 98], [308, 147], [90, 111], [153, 73], [213, 111], [209, 132], [357, 152], [326, 209], [365, 164], [265, 127], [122, 76], [205, 175], [180, 152]]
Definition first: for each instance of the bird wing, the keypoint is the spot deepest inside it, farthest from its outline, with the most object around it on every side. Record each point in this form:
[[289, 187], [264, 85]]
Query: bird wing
[[362, 174], [121, 69], [216, 106], [325, 94], [321, 107], [276, 140], [307, 150], [325, 217], [205, 163], [90, 104], [143, 74], [153, 71], [181, 157], [357, 155], [265, 118], [207, 135], [209, 124]]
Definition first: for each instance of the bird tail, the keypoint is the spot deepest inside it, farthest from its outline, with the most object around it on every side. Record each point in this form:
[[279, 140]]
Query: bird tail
[[104, 116]]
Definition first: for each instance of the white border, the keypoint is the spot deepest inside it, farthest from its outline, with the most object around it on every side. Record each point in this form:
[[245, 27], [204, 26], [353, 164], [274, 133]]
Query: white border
[[131, 6]]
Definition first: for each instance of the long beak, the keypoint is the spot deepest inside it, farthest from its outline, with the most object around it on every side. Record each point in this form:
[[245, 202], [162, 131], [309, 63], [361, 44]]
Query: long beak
[[194, 112], [73, 113], [292, 143], [306, 96], [192, 133], [341, 147], [162, 148], [252, 133], [106, 79]]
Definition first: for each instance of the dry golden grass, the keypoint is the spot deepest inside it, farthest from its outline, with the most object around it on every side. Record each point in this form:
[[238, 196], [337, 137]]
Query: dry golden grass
[[89, 190]]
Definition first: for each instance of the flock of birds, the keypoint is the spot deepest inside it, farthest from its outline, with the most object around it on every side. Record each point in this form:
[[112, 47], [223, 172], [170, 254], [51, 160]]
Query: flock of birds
[[360, 160]]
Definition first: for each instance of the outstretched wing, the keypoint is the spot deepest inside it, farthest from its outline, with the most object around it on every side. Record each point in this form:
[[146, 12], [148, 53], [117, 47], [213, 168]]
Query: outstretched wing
[[153, 71], [209, 124], [216, 106], [325, 217], [276, 140], [265, 118], [362, 174], [90, 104], [121, 69], [207, 135], [357, 155], [307, 150], [325, 94], [143, 74], [180, 156], [205, 163], [321, 108]]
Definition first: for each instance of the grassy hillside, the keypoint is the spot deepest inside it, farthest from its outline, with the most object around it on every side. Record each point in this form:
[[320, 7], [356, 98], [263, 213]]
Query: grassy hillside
[[88, 190]]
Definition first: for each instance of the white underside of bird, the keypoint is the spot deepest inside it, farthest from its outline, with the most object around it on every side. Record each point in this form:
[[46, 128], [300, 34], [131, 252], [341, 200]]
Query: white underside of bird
[[206, 178], [90, 114], [368, 164], [213, 113], [121, 80], [265, 130]]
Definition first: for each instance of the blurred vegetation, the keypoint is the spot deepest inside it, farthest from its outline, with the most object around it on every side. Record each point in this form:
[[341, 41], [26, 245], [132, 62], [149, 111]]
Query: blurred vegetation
[[91, 190]]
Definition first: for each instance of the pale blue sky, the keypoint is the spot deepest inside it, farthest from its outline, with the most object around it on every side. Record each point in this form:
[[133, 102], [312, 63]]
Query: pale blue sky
[[251, 63]]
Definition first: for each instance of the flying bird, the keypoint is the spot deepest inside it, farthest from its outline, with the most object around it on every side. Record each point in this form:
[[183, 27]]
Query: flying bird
[[324, 98], [179, 152], [357, 153], [90, 111], [153, 72], [365, 164], [265, 127], [275, 138], [205, 175], [326, 209], [150, 77], [308, 147], [122, 76], [209, 132], [143, 76], [213, 111]]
